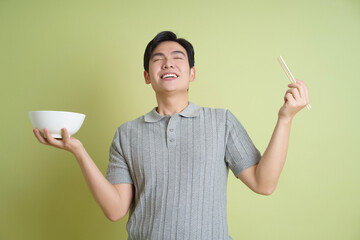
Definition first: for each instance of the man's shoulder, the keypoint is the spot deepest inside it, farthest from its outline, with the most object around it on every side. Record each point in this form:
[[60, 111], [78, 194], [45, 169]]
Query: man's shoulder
[[217, 110], [224, 113]]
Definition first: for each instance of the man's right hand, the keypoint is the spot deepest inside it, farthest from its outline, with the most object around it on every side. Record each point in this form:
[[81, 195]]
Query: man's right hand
[[67, 143]]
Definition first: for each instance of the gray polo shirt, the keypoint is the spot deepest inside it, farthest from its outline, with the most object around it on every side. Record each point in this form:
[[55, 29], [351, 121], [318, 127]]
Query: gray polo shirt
[[179, 166]]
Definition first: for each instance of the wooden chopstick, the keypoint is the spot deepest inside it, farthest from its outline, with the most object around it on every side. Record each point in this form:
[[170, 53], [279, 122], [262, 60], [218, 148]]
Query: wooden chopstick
[[288, 74]]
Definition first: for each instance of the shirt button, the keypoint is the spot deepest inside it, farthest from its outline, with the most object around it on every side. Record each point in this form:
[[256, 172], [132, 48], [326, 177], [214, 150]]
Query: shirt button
[[171, 140], [171, 130]]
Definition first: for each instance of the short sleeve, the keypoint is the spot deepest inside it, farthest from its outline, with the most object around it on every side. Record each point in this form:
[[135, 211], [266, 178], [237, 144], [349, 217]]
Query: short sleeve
[[240, 152], [118, 170]]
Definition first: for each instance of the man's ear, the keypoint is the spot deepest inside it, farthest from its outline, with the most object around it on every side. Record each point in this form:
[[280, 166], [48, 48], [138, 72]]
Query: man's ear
[[147, 78], [192, 74]]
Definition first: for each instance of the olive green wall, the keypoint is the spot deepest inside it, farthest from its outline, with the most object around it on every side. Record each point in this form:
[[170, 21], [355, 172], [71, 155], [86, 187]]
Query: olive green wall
[[86, 56]]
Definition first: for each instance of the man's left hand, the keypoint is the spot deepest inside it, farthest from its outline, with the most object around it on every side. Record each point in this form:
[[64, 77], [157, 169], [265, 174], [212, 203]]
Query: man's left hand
[[296, 98]]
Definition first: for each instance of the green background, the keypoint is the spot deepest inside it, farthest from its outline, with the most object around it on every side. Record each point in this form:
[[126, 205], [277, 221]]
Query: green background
[[86, 56]]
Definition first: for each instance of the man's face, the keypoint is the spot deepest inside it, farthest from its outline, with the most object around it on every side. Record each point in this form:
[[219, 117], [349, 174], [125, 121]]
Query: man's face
[[169, 69]]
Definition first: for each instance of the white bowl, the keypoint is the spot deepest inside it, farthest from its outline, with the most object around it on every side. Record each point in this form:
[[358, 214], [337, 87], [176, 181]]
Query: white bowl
[[54, 121]]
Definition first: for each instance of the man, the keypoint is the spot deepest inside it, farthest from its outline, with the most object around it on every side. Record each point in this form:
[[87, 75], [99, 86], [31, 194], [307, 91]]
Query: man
[[169, 167]]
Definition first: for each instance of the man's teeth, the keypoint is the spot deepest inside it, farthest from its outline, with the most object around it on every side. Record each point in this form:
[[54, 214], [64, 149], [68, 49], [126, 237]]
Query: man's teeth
[[169, 76]]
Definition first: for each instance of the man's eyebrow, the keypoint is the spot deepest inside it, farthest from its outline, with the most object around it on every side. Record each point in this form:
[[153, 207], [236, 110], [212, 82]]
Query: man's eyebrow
[[157, 54], [178, 51], [172, 53]]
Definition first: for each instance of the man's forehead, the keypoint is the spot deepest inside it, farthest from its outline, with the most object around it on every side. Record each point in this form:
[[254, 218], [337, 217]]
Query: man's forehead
[[169, 47]]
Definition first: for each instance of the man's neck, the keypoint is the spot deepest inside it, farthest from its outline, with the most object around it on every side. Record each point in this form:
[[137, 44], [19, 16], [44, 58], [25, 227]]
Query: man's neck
[[169, 105]]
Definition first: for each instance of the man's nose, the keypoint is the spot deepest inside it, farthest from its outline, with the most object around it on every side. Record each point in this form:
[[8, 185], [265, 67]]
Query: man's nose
[[167, 64]]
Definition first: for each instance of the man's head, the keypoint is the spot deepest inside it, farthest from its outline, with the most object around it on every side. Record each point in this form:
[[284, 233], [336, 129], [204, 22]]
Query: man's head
[[169, 64], [168, 36]]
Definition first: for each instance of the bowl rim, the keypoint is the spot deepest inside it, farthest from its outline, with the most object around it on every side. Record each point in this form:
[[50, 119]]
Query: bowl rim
[[56, 111]]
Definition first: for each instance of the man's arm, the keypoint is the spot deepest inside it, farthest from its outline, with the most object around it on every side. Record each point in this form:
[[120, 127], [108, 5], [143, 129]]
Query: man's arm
[[263, 177], [114, 200]]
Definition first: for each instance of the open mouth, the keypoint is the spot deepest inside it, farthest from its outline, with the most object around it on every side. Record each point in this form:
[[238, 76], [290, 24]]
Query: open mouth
[[169, 76]]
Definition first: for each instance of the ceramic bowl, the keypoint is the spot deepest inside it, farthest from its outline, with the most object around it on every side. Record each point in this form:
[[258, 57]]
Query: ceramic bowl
[[54, 121]]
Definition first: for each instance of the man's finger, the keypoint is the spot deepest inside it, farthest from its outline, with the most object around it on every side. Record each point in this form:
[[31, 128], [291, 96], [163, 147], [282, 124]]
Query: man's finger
[[39, 137], [306, 93], [295, 93], [299, 87], [290, 98], [306, 90], [65, 134], [50, 139]]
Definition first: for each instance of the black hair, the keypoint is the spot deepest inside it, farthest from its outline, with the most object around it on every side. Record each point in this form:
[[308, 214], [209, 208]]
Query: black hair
[[167, 36]]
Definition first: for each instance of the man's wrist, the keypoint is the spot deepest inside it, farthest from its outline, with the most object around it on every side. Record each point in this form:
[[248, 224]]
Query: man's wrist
[[285, 120], [79, 153]]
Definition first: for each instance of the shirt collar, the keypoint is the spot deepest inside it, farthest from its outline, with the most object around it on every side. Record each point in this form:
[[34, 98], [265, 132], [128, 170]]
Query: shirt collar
[[192, 110]]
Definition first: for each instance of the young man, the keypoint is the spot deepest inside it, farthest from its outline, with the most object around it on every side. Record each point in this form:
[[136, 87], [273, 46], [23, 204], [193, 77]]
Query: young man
[[169, 167]]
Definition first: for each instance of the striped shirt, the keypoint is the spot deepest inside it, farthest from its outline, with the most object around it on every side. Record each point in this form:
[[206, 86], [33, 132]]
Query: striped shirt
[[179, 167]]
